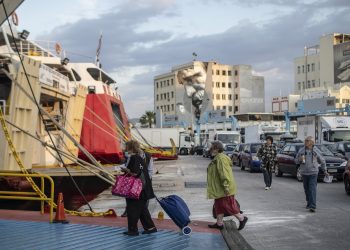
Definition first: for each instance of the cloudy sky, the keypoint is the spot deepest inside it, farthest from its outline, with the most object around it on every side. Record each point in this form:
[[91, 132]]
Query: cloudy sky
[[144, 38]]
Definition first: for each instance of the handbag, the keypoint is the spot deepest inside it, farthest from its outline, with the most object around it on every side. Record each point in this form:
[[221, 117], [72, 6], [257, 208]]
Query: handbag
[[127, 186]]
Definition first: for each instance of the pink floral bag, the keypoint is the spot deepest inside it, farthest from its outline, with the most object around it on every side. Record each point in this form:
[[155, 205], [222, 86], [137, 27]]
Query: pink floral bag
[[127, 186]]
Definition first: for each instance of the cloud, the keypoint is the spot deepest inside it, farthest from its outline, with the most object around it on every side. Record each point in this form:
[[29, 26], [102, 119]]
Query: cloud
[[135, 56]]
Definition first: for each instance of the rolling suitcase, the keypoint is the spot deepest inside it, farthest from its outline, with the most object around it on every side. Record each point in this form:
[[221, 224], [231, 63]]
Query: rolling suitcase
[[178, 211]]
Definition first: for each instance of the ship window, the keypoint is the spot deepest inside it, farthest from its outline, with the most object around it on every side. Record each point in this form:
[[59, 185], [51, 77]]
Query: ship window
[[5, 87], [76, 76], [99, 75]]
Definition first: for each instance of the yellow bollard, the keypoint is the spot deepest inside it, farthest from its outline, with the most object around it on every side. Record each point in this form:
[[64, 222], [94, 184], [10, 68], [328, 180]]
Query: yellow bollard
[[160, 215]]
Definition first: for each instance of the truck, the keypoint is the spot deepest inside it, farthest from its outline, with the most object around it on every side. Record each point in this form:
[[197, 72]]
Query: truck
[[324, 128], [258, 133], [227, 137], [160, 138]]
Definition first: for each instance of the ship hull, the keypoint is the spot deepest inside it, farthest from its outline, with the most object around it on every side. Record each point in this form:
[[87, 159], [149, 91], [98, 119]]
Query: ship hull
[[90, 186], [105, 128]]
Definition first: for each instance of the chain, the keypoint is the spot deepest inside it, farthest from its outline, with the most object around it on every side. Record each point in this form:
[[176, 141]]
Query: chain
[[33, 184]]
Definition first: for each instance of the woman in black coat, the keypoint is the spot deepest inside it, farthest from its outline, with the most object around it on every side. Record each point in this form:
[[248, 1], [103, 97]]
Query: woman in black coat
[[137, 209]]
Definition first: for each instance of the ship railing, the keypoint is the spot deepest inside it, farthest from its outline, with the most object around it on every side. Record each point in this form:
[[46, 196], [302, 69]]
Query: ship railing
[[31, 195]]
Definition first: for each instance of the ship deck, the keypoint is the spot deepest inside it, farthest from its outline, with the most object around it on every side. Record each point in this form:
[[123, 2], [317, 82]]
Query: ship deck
[[31, 230]]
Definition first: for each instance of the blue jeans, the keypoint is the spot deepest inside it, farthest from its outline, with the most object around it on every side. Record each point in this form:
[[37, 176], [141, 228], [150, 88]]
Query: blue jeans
[[267, 176], [310, 186]]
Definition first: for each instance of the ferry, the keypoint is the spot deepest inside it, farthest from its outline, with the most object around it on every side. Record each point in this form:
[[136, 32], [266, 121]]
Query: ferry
[[65, 119]]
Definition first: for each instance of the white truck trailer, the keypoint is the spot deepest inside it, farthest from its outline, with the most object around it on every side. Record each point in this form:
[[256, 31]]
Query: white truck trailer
[[324, 128], [258, 133], [160, 137]]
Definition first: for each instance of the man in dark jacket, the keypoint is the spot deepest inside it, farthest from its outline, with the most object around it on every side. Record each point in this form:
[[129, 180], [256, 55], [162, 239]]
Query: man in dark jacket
[[267, 155]]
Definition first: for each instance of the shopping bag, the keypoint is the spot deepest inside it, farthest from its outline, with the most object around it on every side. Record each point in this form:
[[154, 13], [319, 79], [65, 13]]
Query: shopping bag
[[127, 186], [328, 179]]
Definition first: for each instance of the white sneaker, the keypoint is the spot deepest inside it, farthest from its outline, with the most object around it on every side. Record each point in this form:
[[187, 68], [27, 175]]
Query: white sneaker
[[266, 188]]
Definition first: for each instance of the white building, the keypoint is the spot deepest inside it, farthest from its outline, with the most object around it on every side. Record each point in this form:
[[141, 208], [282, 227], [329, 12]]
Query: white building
[[207, 86], [323, 66], [282, 104]]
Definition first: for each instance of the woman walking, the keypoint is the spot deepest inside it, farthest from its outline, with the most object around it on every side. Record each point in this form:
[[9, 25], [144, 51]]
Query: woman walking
[[222, 187], [137, 209], [267, 155]]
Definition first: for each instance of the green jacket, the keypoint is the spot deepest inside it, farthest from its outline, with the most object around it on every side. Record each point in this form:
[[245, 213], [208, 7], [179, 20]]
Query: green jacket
[[220, 177]]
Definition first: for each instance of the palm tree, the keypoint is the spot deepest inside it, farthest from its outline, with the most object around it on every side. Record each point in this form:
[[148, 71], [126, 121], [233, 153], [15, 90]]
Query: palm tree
[[148, 118]]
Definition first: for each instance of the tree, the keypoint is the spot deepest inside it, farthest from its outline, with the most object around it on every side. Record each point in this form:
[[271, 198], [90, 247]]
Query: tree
[[148, 118]]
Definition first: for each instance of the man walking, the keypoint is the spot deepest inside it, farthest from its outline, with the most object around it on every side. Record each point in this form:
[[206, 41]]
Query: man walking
[[310, 158], [267, 155]]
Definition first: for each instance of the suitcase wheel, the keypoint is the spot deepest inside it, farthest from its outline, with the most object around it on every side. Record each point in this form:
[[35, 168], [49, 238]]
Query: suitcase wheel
[[186, 230]]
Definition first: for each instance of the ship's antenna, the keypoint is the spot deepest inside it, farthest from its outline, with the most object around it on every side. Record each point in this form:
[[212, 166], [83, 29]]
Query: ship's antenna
[[98, 51]]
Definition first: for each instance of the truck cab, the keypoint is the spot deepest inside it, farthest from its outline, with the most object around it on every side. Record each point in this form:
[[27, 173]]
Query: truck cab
[[228, 137]]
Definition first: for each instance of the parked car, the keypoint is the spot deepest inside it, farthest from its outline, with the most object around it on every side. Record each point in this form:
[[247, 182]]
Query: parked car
[[197, 150], [236, 154], [228, 149], [343, 148], [346, 177], [286, 162], [249, 159]]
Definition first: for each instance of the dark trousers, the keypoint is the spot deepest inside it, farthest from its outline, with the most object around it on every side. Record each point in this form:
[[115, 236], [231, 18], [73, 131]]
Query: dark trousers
[[137, 210], [310, 187], [267, 176]]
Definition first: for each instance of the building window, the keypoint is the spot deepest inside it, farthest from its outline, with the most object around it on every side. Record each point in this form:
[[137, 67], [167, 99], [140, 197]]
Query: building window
[[229, 85], [298, 69], [299, 85], [230, 108], [157, 97], [308, 84], [229, 73], [230, 97], [167, 95], [346, 100], [337, 100], [157, 84], [236, 72], [168, 107], [308, 68], [172, 81], [223, 96], [236, 84], [223, 84], [303, 67], [313, 84], [312, 67], [172, 94], [224, 107], [330, 102], [218, 72], [217, 107], [218, 85], [217, 96], [224, 72], [303, 85], [236, 108], [157, 108], [172, 107], [236, 97]]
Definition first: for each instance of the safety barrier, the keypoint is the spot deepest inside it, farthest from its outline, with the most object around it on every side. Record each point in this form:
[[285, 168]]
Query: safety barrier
[[31, 196]]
